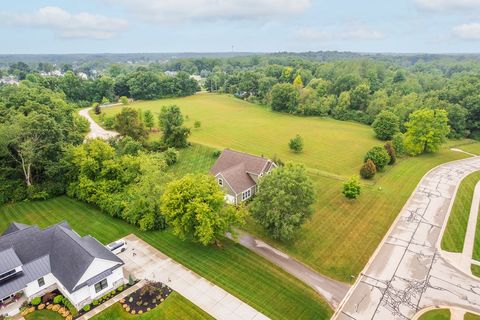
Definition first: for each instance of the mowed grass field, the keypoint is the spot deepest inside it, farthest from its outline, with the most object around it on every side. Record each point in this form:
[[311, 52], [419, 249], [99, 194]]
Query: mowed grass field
[[335, 147], [175, 307], [454, 236], [342, 234], [232, 267]]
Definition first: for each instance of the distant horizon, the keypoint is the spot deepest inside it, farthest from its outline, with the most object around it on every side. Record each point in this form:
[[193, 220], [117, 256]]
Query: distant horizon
[[243, 52], [124, 26]]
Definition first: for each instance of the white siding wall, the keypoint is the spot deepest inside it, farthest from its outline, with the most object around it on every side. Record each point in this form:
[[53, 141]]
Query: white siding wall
[[32, 288], [80, 297]]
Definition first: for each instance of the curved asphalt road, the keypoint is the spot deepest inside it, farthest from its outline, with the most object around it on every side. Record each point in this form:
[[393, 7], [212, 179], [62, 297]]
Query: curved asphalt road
[[333, 291], [407, 272]]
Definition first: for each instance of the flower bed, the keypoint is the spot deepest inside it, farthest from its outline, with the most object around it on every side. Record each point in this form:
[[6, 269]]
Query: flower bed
[[56, 302], [146, 298]]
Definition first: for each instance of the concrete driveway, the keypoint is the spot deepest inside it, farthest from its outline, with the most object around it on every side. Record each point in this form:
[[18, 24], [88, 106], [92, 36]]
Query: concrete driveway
[[145, 262], [407, 272]]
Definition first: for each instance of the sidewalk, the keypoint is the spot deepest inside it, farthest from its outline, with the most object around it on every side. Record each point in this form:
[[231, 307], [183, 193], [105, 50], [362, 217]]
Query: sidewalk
[[111, 302]]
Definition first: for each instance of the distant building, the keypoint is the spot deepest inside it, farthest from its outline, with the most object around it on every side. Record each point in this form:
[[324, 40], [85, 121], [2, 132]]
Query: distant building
[[171, 73], [238, 174]]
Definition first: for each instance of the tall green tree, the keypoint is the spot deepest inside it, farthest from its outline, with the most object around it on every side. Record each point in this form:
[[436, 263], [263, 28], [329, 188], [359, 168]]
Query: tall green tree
[[148, 119], [195, 207], [283, 202], [127, 123], [171, 122], [386, 125], [284, 97], [427, 129]]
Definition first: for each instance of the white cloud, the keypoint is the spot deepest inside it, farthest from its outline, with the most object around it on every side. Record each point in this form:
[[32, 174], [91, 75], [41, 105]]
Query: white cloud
[[448, 5], [178, 11], [65, 24], [467, 31], [355, 33]]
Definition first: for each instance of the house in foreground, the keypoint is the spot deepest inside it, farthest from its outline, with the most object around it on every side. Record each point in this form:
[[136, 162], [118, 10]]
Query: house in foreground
[[238, 174], [36, 261]]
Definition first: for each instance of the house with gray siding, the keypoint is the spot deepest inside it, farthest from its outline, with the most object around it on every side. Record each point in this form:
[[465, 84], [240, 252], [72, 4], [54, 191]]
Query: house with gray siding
[[34, 261], [238, 174]]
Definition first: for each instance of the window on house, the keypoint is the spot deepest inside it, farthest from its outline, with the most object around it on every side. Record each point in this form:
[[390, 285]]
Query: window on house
[[41, 282], [246, 194], [101, 285], [220, 182], [7, 274]]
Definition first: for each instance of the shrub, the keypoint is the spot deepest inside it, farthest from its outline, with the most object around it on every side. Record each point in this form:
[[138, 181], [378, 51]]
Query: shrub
[[368, 170], [351, 188], [296, 144], [95, 302], [391, 152], [36, 301], [197, 124], [398, 144], [109, 123], [47, 297], [97, 108], [120, 289], [124, 100], [216, 153], [386, 125], [171, 156], [58, 299], [379, 156], [86, 308]]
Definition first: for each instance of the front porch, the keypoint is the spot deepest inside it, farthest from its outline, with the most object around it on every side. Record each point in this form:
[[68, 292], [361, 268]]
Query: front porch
[[11, 306]]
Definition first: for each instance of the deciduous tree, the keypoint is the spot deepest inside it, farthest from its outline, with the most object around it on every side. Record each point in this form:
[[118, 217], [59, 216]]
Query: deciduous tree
[[284, 201], [195, 207]]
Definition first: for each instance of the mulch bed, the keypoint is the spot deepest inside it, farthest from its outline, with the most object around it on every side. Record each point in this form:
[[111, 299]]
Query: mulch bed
[[146, 298]]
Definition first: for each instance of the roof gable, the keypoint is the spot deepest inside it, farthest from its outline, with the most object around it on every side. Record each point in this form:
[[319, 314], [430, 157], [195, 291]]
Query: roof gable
[[238, 167], [69, 255]]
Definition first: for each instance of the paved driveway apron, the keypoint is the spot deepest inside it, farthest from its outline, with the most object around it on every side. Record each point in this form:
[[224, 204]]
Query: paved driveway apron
[[146, 262], [407, 272]]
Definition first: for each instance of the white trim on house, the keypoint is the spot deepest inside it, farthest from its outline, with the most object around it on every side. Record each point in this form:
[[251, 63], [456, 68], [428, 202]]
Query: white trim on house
[[96, 267], [247, 194]]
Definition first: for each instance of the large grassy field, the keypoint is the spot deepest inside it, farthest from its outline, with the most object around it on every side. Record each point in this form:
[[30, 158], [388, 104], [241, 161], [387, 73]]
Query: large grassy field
[[234, 268], [454, 236], [342, 234], [331, 146], [175, 307]]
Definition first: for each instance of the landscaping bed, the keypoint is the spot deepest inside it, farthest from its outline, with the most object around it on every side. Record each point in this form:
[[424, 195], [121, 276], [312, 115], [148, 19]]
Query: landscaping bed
[[55, 302], [146, 298]]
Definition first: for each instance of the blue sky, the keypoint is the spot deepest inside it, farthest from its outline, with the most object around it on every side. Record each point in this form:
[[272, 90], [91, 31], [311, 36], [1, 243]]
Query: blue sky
[[90, 26]]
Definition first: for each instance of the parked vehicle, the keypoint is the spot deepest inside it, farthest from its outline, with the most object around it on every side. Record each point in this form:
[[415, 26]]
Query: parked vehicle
[[117, 246]]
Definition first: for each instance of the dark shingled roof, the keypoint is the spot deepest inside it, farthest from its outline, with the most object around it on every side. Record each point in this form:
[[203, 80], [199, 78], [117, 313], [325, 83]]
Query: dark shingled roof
[[15, 226], [8, 260], [68, 254], [237, 168]]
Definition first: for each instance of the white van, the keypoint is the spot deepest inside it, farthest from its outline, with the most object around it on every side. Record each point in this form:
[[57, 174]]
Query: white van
[[117, 246]]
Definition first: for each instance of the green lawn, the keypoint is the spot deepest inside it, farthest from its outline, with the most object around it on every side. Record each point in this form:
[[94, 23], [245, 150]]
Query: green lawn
[[175, 307], [438, 314], [342, 234], [332, 146], [43, 315], [454, 236], [196, 159], [475, 270], [471, 316], [232, 267]]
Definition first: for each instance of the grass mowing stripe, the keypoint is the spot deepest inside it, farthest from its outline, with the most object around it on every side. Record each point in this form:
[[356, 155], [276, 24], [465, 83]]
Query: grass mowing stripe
[[234, 268], [454, 236]]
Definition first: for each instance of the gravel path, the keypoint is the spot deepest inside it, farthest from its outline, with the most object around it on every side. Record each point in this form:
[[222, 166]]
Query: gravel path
[[95, 130]]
